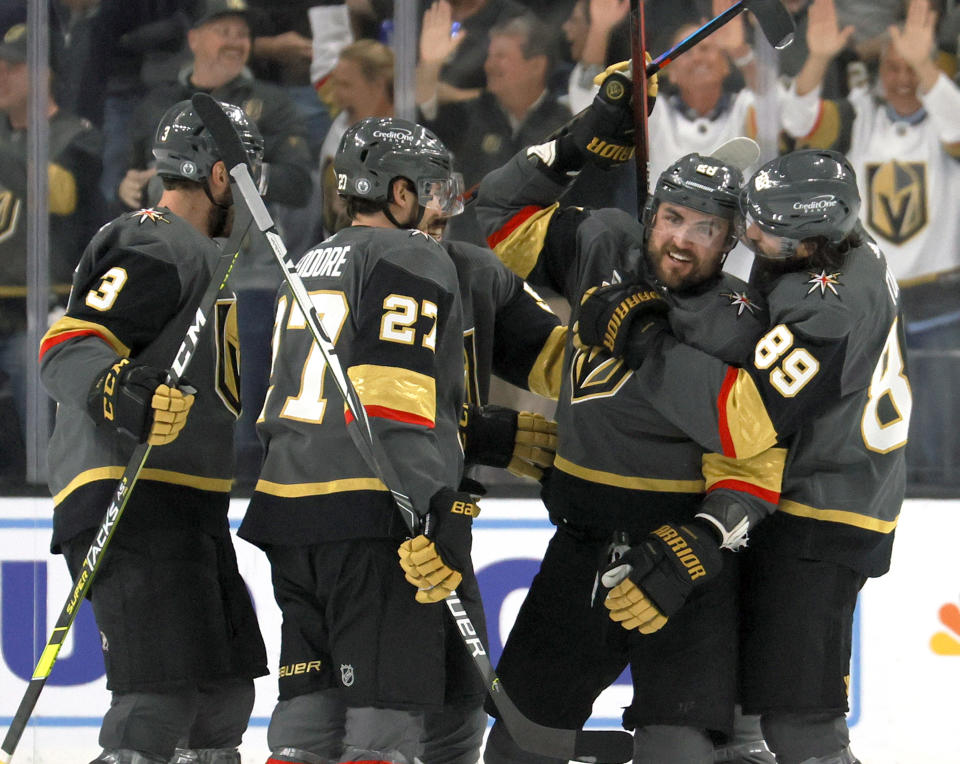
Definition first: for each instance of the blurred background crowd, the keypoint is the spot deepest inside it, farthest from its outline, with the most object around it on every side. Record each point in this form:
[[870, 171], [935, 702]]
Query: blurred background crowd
[[84, 82]]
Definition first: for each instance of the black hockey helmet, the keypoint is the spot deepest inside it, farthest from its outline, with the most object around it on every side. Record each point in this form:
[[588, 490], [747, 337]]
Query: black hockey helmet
[[802, 195], [184, 148], [376, 150], [700, 182]]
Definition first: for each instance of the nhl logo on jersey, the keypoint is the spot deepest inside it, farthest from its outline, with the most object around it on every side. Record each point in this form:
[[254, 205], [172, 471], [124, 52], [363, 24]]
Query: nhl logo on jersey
[[824, 281], [897, 199], [346, 674]]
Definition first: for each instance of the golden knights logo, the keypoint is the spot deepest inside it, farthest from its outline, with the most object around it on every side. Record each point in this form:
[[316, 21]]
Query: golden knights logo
[[595, 374], [897, 199]]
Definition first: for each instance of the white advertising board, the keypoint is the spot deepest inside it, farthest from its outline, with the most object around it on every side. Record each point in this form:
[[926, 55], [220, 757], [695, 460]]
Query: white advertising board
[[905, 673]]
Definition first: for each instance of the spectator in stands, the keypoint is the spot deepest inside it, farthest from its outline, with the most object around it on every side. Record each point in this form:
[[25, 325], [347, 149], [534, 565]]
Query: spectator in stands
[[588, 29], [904, 144], [697, 110], [361, 86], [220, 44], [282, 53], [462, 71], [514, 110], [139, 43], [76, 211]]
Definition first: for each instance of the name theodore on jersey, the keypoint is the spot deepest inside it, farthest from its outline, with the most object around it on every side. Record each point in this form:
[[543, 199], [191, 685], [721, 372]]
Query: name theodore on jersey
[[323, 261]]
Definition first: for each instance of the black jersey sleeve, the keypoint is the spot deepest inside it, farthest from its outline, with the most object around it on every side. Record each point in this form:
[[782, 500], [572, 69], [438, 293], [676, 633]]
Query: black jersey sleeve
[[119, 303], [528, 340]]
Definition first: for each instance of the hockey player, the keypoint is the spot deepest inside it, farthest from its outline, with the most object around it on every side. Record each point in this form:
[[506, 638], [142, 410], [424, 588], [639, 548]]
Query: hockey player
[[363, 655], [830, 370], [180, 638], [622, 469]]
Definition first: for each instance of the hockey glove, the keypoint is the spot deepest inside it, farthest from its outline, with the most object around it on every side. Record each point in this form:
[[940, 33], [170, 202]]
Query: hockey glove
[[523, 442], [135, 400], [651, 581], [607, 314], [435, 560]]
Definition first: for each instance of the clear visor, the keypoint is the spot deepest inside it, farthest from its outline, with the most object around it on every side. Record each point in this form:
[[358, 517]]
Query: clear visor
[[705, 231], [442, 195], [762, 243]]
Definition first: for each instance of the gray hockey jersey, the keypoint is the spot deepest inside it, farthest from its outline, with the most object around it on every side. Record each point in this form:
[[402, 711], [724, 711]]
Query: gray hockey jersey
[[621, 464], [389, 301], [135, 294]]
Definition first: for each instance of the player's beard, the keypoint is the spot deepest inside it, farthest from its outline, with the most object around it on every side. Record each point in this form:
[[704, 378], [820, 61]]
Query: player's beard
[[220, 221]]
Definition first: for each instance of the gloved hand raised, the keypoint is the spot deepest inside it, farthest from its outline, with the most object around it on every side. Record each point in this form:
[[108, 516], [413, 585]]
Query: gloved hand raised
[[435, 560], [610, 314], [135, 400], [603, 132], [652, 580], [523, 442]]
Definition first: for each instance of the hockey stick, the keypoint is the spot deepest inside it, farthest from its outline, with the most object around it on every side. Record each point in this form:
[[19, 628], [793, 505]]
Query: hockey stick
[[638, 53], [613, 747], [131, 473], [774, 20]]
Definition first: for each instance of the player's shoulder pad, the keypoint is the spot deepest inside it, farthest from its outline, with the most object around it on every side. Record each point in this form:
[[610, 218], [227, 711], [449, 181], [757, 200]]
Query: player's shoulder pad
[[154, 231], [414, 251]]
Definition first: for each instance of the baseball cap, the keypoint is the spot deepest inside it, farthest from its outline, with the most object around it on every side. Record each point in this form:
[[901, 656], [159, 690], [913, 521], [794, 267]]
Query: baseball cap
[[211, 9], [14, 45]]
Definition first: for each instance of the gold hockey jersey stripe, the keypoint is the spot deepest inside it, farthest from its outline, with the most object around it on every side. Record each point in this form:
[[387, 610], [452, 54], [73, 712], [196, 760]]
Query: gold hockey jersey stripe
[[394, 389], [67, 328], [839, 516], [745, 426], [519, 242], [623, 481], [161, 476], [762, 474], [547, 371], [296, 490]]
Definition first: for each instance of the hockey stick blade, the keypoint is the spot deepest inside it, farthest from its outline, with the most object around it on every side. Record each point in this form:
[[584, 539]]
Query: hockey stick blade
[[775, 21], [596, 747], [118, 503]]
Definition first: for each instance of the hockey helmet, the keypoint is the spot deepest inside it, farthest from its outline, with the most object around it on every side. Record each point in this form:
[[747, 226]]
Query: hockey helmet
[[376, 150], [700, 182], [184, 148], [802, 195]]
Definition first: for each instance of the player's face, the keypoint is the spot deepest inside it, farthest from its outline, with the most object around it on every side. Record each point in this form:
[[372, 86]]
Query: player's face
[[686, 246]]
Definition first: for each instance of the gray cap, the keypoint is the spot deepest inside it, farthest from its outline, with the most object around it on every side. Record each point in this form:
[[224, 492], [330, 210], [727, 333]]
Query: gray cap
[[208, 10], [14, 45]]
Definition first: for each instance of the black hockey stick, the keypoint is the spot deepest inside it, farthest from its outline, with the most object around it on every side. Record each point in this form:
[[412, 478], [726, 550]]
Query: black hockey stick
[[613, 747], [775, 22], [131, 473]]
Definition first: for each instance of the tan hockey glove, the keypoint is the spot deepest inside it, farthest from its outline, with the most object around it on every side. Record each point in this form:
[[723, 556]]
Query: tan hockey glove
[[434, 561], [523, 442], [135, 400]]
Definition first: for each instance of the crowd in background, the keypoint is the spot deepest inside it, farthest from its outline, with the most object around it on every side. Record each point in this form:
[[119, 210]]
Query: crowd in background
[[491, 77]]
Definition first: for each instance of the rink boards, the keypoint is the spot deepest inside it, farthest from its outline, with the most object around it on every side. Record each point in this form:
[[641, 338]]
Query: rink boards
[[905, 678]]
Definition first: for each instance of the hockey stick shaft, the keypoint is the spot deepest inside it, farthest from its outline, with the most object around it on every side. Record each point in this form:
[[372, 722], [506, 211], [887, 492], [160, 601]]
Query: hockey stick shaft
[[638, 52], [613, 747], [775, 23], [118, 503]]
